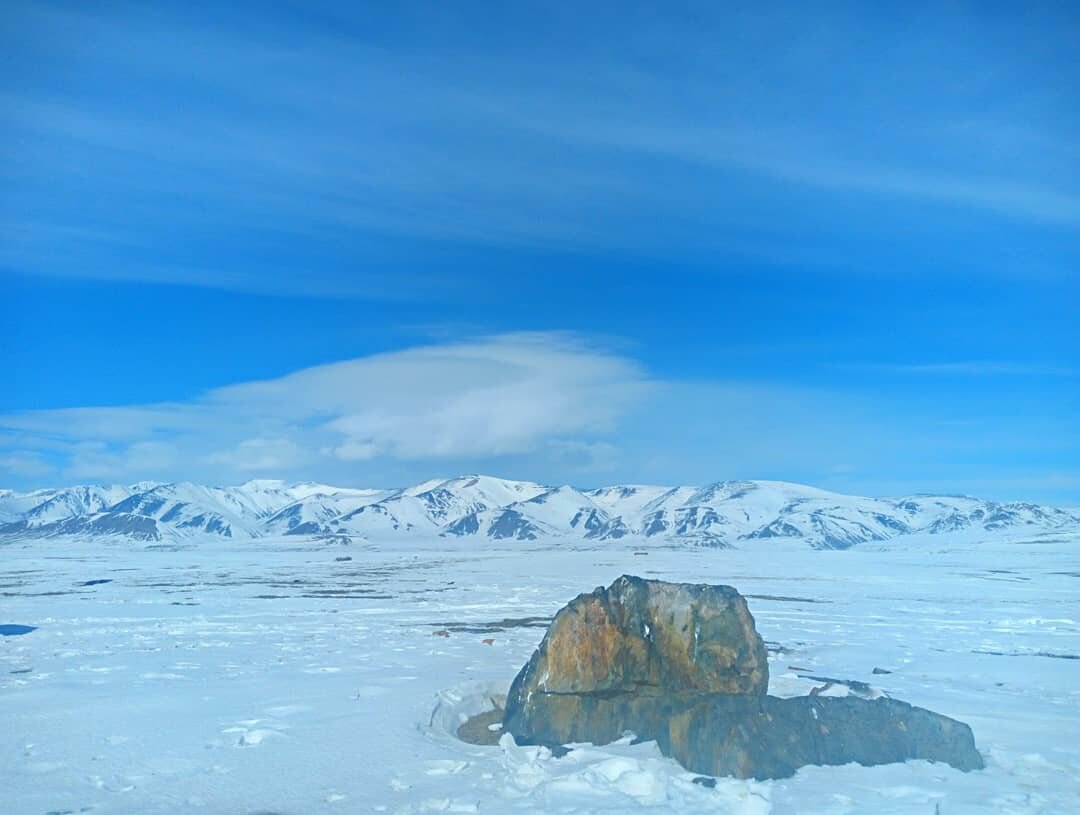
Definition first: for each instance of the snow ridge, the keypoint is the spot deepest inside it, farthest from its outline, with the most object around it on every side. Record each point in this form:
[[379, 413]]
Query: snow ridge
[[718, 515]]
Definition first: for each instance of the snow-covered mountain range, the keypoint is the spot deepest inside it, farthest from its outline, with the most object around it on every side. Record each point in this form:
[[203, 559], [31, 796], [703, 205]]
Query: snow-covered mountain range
[[720, 514]]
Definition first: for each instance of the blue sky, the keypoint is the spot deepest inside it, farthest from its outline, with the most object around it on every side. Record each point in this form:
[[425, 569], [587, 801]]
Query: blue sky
[[375, 243]]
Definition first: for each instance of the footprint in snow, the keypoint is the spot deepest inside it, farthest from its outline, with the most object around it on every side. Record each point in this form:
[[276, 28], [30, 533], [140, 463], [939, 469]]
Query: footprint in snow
[[447, 805], [248, 735], [255, 737], [287, 710], [118, 785], [43, 767], [445, 767], [371, 692]]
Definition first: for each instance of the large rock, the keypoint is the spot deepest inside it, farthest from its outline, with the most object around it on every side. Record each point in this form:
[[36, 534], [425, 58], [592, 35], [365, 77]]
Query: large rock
[[751, 736], [684, 666], [649, 637]]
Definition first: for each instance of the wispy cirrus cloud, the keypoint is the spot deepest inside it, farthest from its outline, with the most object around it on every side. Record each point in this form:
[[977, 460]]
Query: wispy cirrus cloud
[[786, 154], [966, 368], [991, 369], [23, 464], [329, 157]]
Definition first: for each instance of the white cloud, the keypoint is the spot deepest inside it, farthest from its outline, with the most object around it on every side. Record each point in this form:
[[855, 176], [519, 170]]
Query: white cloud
[[586, 457], [262, 455], [492, 397], [547, 407], [96, 460], [25, 464]]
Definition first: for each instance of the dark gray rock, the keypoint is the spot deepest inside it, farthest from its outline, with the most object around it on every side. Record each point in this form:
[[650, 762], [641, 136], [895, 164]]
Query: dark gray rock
[[750, 736], [682, 665]]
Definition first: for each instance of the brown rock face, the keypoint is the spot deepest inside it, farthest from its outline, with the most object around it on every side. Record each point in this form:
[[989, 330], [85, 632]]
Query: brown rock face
[[649, 637]]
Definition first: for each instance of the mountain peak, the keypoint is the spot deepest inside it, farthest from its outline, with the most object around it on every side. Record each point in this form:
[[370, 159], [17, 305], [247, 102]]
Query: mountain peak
[[722, 513]]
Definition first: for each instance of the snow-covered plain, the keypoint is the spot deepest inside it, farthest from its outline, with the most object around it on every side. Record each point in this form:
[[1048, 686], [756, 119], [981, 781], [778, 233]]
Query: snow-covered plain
[[292, 675]]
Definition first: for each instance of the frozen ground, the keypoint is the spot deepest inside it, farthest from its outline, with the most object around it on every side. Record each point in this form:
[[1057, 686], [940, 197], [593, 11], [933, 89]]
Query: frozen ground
[[277, 677]]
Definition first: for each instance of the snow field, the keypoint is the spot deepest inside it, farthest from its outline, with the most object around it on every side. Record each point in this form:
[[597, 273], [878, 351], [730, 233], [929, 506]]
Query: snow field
[[269, 676]]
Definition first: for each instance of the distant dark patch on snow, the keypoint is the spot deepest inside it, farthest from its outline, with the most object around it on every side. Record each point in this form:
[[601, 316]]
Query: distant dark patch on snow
[[776, 648], [493, 627], [776, 529], [612, 530], [144, 503], [780, 598], [704, 540], [655, 524], [592, 520], [899, 527], [208, 522], [308, 528], [11, 630], [852, 684], [38, 593], [95, 582], [991, 574], [349, 596], [512, 524], [692, 519], [469, 525], [174, 513], [1028, 654]]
